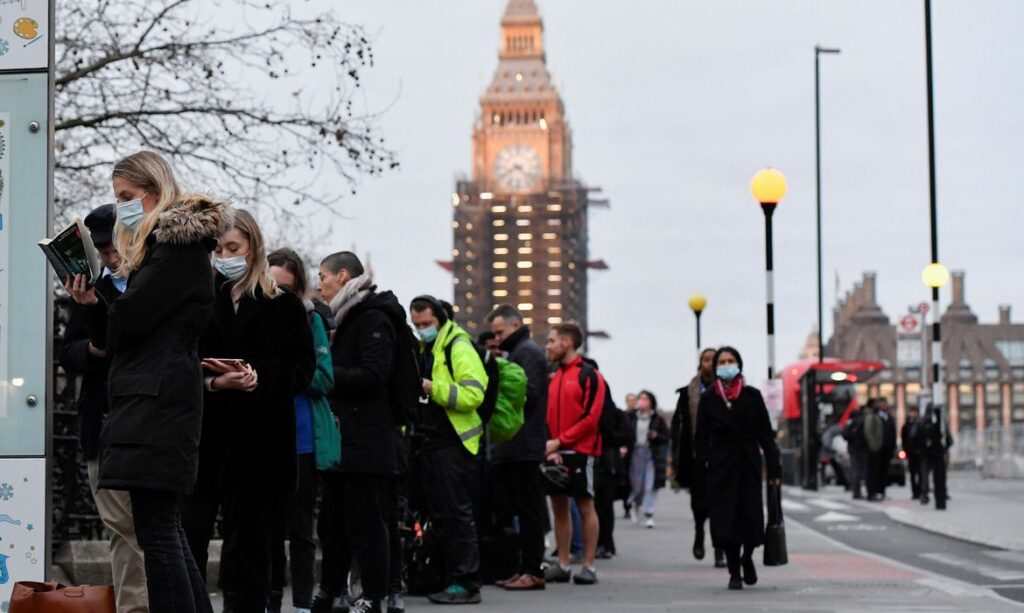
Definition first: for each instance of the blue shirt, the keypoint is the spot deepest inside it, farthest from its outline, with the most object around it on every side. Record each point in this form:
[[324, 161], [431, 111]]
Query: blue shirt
[[303, 425]]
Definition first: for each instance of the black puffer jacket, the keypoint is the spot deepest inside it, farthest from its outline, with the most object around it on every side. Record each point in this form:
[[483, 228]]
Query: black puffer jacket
[[363, 352], [249, 437], [151, 437], [528, 444]]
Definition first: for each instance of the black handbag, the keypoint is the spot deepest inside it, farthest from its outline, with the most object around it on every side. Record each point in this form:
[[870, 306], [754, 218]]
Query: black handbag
[[775, 553]]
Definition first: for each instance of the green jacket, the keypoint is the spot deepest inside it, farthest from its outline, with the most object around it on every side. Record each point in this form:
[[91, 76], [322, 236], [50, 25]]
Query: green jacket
[[326, 437], [462, 396]]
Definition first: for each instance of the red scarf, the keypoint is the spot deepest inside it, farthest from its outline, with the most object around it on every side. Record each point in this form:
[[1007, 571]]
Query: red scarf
[[729, 390]]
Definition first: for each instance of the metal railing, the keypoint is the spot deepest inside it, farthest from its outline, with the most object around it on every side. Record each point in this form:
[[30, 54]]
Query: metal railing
[[995, 441]]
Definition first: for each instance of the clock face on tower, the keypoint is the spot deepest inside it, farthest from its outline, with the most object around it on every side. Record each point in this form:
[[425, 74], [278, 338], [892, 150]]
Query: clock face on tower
[[517, 168]]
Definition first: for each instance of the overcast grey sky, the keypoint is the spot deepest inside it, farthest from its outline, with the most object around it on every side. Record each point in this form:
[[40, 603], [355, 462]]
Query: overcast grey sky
[[674, 105]]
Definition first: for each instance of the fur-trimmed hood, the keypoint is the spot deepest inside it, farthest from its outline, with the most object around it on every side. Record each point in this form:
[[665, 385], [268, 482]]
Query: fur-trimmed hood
[[192, 219]]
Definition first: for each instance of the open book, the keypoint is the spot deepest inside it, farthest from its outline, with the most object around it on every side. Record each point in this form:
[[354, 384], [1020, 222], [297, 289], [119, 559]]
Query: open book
[[72, 253]]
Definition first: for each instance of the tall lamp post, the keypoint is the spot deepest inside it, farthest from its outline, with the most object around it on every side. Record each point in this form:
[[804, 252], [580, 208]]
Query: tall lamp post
[[817, 160], [697, 304], [768, 187], [936, 276]]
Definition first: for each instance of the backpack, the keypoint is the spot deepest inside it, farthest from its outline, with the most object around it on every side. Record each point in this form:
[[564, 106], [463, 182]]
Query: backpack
[[505, 397], [874, 431], [613, 423], [406, 377]]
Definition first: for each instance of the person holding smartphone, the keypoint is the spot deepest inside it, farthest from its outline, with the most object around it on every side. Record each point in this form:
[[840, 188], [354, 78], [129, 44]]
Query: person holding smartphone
[[258, 355]]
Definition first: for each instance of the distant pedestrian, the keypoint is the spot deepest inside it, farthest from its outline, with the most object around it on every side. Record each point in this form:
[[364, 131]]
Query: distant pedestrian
[[150, 440], [733, 430], [648, 454], [857, 447], [258, 356], [690, 473], [909, 444], [880, 435], [934, 442]]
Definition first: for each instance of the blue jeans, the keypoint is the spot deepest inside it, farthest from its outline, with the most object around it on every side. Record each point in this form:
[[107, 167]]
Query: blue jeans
[[172, 577]]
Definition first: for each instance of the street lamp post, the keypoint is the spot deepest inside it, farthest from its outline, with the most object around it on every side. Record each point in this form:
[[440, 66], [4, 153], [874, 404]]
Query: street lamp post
[[936, 276], [817, 159], [768, 187], [697, 304]]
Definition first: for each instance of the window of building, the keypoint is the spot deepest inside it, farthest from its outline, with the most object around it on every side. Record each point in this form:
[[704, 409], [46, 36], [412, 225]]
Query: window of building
[[455, 252], [501, 279], [554, 278], [525, 250], [455, 224], [549, 236], [499, 293], [524, 264], [525, 278], [522, 222], [554, 222], [554, 207], [501, 237], [554, 264], [1013, 351], [501, 251], [525, 306], [499, 208], [554, 250], [498, 223], [525, 236], [501, 265], [525, 209], [555, 306], [554, 292], [554, 320]]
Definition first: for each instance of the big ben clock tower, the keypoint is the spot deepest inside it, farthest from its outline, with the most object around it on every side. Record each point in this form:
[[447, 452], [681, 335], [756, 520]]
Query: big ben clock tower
[[520, 222]]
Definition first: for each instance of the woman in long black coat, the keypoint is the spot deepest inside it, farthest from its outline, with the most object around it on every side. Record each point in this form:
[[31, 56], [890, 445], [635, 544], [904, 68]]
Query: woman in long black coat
[[247, 461], [149, 444], [733, 429]]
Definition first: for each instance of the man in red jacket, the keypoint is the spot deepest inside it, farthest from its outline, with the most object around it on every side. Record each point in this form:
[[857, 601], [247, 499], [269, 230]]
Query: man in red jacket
[[576, 397]]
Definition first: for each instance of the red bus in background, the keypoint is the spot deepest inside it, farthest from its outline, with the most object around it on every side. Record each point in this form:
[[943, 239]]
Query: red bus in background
[[818, 398]]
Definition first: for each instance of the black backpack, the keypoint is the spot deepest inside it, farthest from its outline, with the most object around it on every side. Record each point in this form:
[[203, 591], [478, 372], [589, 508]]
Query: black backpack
[[613, 423], [406, 376]]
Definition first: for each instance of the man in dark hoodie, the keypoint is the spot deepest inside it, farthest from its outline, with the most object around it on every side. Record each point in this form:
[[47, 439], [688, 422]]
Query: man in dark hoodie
[[515, 464], [355, 512]]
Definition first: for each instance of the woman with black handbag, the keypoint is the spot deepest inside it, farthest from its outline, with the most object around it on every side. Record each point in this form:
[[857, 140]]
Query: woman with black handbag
[[733, 428]]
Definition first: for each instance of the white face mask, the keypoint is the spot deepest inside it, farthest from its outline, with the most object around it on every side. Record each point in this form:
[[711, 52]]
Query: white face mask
[[233, 268], [130, 213]]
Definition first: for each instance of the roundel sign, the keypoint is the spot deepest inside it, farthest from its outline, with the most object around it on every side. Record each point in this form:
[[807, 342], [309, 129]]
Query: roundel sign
[[910, 324]]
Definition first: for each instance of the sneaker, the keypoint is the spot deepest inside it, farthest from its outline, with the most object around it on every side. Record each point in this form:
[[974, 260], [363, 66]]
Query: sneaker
[[649, 523], [364, 606], [525, 583], [455, 594], [603, 554], [556, 574], [396, 603], [586, 576]]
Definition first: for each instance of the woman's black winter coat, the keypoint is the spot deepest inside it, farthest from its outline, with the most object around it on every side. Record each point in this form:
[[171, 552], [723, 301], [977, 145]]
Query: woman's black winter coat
[[249, 437], [150, 439], [659, 445], [730, 442]]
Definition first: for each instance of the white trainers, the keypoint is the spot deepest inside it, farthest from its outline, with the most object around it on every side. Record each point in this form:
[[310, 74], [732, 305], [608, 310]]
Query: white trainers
[[649, 523]]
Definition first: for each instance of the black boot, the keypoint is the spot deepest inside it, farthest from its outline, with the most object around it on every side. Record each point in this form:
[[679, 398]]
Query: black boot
[[749, 573], [720, 558], [698, 543], [274, 601]]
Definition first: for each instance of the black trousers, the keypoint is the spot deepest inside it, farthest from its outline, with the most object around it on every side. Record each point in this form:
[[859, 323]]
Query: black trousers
[[878, 472], [249, 515], [354, 522], [935, 464], [914, 470], [295, 522], [448, 483], [604, 504], [732, 558], [173, 580], [519, 492], [396, 565]]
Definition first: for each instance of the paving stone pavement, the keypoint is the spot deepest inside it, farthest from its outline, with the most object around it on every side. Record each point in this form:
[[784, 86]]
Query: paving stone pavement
[[655, 571]]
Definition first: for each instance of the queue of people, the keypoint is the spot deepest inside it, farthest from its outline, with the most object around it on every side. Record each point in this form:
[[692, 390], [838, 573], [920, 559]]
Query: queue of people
[[221, 395]]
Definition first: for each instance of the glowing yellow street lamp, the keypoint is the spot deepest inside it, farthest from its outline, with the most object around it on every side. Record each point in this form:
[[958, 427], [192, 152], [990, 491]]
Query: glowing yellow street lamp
[[769, 187], [935, 275], [697, 304]]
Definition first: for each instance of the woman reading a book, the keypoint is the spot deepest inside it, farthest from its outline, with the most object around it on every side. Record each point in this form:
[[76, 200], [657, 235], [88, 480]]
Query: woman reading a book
[[150, 441]]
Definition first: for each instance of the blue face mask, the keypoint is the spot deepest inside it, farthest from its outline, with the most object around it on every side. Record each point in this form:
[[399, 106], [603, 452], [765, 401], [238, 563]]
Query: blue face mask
[[428, 335], [232, 268], [130, 213], [728, 372]]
